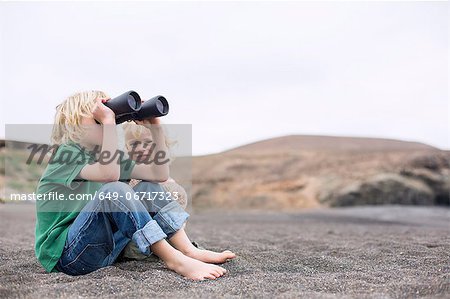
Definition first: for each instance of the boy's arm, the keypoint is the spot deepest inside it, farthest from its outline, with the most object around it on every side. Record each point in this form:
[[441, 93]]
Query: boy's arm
[[104, 172], [158, 169]]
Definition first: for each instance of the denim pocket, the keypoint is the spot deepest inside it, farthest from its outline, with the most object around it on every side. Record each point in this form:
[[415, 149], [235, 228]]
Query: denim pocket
[[91, 258]]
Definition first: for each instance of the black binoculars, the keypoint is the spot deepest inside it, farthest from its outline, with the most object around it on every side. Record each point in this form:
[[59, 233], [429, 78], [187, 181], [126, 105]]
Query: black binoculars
[[128, 106]]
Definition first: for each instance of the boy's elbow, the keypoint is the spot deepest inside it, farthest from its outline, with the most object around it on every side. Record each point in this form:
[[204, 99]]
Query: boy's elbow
[[112, 176], [164, 178], [160, 177], [112, 179]]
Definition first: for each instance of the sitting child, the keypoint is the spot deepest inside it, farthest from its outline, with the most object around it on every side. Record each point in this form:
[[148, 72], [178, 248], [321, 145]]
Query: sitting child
[[77, 237]]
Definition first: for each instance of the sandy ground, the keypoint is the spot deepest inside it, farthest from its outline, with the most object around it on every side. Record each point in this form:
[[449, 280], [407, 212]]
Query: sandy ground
[[378, 252]]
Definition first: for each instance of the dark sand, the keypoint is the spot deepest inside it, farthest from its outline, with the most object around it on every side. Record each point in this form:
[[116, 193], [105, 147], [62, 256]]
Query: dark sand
[[378, 252]]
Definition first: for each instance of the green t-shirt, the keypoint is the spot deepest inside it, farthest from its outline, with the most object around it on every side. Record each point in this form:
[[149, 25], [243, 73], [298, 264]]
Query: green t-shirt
[[61, 180]]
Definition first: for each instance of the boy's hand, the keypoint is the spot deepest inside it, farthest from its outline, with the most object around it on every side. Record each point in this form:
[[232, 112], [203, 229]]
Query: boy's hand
[[150, 121], [102, 113]]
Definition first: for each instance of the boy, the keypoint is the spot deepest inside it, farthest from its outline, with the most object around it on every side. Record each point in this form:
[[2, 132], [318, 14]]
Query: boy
[[80, 236]]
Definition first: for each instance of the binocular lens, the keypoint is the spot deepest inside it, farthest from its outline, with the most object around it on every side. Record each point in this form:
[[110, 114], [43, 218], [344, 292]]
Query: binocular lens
[[160, 106], [133, 102]]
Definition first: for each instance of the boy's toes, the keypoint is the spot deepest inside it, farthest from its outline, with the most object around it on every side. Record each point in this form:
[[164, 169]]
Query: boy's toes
[[222, 270], [229, 254], [210, 276]]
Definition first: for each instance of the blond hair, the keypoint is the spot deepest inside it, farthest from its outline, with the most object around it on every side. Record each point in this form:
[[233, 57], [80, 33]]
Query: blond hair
[[69, 113]]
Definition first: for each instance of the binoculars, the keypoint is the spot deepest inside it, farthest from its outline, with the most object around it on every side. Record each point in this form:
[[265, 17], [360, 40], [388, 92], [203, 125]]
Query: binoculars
[[128, 106]]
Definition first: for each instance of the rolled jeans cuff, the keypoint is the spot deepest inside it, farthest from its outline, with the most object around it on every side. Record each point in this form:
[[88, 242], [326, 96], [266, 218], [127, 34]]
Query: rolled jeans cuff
[[171, 218], [148, 235]]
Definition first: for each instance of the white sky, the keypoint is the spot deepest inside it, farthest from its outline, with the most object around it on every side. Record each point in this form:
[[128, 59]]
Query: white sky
[[238, 72]]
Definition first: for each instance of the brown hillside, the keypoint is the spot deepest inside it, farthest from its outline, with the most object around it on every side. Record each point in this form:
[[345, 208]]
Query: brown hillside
[[294, 172]]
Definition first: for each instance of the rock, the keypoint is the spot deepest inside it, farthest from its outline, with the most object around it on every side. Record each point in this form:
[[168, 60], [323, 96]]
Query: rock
[[432, 161], [385, 188], [439, 182]]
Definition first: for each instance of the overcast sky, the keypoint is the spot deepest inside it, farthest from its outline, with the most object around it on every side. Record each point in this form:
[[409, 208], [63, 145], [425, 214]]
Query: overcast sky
[[238, 72]]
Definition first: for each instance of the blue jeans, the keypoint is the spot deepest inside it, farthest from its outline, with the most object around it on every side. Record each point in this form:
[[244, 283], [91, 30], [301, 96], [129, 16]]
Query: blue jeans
[[104, 227]]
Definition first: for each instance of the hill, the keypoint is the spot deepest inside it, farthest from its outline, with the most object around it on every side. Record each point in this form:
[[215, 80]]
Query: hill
[[298, 171]]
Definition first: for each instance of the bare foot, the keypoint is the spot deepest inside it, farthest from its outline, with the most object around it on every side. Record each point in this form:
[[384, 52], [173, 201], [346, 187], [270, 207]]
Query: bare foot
[[181, 241], [192, 268], [209, 256]]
